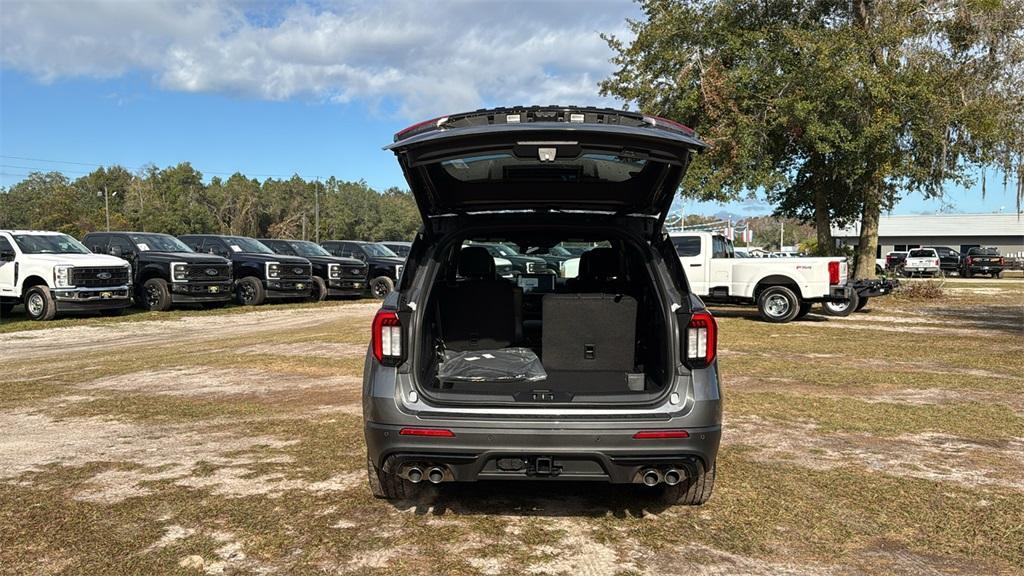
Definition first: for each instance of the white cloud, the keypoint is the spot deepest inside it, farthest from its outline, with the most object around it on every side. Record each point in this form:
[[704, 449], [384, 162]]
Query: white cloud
[[416, 57]]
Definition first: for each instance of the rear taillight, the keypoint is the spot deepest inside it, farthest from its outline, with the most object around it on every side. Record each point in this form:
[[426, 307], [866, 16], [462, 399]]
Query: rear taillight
[[1000, 261], [387, 338], [969, 260], [660, 434], [936, 263], [701, 339], [833, 272]]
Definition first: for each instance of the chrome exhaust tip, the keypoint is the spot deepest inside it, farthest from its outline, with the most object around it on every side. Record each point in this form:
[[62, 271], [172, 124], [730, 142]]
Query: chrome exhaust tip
[[415, 475], [673, 477], [651, 477], [436, 475]]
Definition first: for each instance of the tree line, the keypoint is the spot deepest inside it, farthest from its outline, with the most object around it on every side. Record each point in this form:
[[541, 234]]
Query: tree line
[[176, 200]]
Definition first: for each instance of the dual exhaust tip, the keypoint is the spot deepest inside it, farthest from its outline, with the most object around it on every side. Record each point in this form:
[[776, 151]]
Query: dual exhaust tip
[[434, 474], [653, 477]]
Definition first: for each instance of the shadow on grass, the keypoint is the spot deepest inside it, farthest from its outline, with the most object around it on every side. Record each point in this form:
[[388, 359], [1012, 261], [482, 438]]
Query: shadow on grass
[[558, 499]]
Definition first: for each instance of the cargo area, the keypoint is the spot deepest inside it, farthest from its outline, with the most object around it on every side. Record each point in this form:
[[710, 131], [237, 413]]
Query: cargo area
[[590, 329]]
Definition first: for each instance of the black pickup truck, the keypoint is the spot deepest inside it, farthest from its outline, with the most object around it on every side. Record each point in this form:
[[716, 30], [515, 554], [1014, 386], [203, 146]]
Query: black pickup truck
[[384, 265], [332, 275], [166, 271], [982, 261], [259, 273]]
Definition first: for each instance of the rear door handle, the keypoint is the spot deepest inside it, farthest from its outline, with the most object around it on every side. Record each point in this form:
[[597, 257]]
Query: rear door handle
[[695, 265]]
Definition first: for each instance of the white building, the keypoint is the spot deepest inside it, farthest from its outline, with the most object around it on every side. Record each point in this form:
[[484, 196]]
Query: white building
[[956, 231]]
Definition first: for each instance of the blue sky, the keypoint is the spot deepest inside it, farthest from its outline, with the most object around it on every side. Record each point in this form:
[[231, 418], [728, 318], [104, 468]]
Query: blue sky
[[272, 90]]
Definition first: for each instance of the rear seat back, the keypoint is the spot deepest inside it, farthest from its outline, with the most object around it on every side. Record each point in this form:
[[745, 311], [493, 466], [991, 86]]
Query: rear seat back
[[480, 311], [589, 332], [602, 270]]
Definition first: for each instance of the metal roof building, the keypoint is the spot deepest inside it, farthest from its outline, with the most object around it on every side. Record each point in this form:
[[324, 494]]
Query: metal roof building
[[957, 231]]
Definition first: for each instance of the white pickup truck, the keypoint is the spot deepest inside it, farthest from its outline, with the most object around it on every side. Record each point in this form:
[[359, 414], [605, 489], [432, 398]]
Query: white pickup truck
[[782, 288], [50, 272]]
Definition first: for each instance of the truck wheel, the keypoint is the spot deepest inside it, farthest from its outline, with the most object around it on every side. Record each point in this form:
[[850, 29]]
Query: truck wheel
[[805, 308], [249, 292], [841, 309], [5, 310], [778, 304], [381, 286], [388, 486], [691, 491], [318, 292], [39, 304], [155, 295], [861, 304]]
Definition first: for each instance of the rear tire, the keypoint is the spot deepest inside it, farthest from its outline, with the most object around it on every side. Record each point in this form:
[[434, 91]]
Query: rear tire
[[318, 290], [691, 491], [841, 309], [249, 292], [860, 305], [39, 304], [778, 304], [381, 287], [155, 296], [388, 486]]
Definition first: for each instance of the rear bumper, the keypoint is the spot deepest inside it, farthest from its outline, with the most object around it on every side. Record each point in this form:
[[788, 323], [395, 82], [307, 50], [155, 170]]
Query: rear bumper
[[512, 452], [984, 269], [81, 299], [835, 294]]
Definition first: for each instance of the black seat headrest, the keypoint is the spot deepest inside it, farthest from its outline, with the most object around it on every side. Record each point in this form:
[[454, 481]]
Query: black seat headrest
[[602, 264], [475, 262]]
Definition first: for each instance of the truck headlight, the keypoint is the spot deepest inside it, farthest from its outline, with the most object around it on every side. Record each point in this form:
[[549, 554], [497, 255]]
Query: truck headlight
[[62, 276], [334, 271], [179, 272], [129, 280], [273, 270]]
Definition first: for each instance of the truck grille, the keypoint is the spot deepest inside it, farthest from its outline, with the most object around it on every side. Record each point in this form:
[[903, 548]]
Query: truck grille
[[353, 272], [202, 272], [295, 271], [99, 277]]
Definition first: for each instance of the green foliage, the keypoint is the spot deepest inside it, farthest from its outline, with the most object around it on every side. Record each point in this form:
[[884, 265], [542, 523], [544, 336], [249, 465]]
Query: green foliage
[[833, 109], [175, 200]]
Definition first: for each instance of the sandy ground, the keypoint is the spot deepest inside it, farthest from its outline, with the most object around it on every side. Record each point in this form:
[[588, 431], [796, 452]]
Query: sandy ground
[[123, 459]]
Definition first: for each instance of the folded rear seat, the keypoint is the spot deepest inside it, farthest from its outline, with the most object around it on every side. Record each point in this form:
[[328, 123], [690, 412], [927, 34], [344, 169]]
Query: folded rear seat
[[589, 332]]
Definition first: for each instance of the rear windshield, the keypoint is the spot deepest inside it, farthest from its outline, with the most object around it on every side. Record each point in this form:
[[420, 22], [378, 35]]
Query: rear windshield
[[922, 253], [983, 252], [687, 245]]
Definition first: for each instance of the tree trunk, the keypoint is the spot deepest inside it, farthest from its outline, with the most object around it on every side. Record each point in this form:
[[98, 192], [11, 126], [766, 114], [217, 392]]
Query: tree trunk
[[823, 222], [867, 244]]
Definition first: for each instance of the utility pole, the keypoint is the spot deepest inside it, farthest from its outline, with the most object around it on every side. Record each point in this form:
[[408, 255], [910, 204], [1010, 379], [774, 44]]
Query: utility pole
[[316, 196], [106, 204], [303, 225], [782, 229]]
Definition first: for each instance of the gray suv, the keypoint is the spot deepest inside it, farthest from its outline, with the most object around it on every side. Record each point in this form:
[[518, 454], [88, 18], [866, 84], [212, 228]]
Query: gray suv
[[605, 371]]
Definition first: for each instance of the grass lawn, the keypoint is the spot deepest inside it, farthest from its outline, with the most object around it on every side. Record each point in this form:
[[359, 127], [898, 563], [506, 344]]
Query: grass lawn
[[230, 441]]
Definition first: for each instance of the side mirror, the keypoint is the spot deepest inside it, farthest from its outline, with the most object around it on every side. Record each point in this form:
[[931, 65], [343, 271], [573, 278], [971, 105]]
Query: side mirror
[[116, 251], [7, 256]]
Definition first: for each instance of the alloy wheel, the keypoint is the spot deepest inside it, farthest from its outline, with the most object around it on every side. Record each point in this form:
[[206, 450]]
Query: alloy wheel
[[777, 305], [35, 305]]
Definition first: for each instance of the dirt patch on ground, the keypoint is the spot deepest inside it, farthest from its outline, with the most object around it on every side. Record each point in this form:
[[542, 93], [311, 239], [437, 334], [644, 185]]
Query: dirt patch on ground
[[119, 336], [32, 442], [336, 350], [930, 456], [199, 381]]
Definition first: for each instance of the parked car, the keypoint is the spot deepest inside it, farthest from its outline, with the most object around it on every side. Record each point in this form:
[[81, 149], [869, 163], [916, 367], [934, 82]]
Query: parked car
[[52, 273], [610, 376], [521, 263], [949, 259], [922, 261], [332, 275], [165, 271], [982, 261], [399, 248], [384, 265], [894, 261], [783, 289], [259, 274]]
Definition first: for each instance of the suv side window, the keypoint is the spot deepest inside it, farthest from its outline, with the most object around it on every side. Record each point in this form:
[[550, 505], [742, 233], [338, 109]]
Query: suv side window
[[97, 243], [281, 247]]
